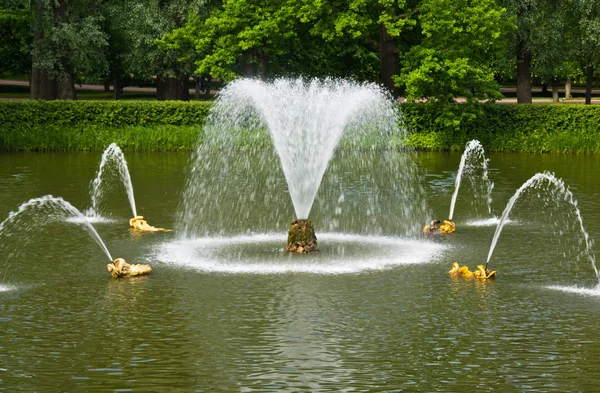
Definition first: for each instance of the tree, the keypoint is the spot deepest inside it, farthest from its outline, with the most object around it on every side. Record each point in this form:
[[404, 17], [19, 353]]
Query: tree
[[15, 41], [461, 42], [585, 40], [67, 42]]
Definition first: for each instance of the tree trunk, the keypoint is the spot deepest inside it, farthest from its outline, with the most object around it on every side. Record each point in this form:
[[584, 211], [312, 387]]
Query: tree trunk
[[568, 88], [588, 84], [45, 84], [42, 87], [523, 74], [207, 87], [390, 61], [554, 93], [172, 88], [65, 86], [117, 86], [197, 86]]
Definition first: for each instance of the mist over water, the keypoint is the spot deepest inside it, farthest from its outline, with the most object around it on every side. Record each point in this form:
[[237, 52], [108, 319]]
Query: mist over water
[[276, 144]]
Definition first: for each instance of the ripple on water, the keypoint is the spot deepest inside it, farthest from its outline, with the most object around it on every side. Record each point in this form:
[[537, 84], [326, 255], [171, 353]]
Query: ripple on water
[[577, 290], [263, 254], [6, 288]]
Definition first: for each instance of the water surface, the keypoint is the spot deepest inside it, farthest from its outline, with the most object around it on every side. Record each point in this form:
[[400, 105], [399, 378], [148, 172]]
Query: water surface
[[227, 311]]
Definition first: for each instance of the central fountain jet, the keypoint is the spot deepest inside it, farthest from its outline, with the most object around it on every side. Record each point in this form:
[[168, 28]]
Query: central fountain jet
[[305, 120]]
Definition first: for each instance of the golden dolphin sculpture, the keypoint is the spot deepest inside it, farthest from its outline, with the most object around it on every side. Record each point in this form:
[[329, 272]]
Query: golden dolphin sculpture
[[120, 268], [436, 227], [482, 273], [138, 223]]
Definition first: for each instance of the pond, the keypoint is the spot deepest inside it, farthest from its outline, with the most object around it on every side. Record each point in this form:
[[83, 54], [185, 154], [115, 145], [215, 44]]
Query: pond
[[225, 309]]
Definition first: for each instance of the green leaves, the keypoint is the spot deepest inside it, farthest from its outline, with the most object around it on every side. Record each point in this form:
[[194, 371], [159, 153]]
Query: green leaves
[[461, 42]]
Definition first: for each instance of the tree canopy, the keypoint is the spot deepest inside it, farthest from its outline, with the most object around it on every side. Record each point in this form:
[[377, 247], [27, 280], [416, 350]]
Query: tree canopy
[[436, 50]]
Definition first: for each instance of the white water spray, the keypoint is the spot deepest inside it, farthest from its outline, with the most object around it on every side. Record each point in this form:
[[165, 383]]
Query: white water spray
[[306, 120], [537, 181], [472, 158], [49, 208], [112, 155]]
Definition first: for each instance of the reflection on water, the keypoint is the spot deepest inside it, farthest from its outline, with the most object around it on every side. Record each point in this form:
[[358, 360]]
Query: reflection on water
[[382, 325]]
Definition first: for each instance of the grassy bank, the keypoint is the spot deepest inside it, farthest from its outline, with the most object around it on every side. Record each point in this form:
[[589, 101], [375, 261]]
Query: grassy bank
[[153, 126]]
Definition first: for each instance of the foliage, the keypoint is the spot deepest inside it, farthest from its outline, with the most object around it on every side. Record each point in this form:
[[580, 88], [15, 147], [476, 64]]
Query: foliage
[[151, 125], [536, 128], [461, 42], [78, 125], [69, 38], [15, 41]]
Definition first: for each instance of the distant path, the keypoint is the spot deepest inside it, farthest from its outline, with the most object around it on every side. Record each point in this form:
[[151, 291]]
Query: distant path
[[512, 100], [84, 86]]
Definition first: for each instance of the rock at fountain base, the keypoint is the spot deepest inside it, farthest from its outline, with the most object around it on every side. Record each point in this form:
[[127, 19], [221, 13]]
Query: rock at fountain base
[[301, 237], [138, 223], [120, 268]]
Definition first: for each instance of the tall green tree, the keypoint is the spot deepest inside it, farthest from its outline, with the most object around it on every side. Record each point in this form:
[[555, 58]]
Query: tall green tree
[[585, 40], [461, 42], [67, 42], [134, 27]]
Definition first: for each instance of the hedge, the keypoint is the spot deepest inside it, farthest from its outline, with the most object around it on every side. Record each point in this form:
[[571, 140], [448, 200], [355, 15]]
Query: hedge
[[93, 125], [536, 128], [164, 125]]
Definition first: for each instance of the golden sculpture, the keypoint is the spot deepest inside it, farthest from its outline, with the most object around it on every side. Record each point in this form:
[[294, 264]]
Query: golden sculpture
[[138, 223], [436, 229], [120, 268], [482, 272]]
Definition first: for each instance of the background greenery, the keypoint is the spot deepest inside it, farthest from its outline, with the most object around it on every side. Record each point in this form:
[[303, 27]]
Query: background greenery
[[153, 125], [437, 50]]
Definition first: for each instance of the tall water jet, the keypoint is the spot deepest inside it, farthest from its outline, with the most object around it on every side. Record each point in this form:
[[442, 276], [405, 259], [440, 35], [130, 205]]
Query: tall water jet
[[112, 159], [47, 209], [561, 193], [305, 121], [473, 158]]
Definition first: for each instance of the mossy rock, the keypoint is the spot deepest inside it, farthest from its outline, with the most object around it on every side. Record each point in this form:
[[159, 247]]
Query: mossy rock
[[301, 237]]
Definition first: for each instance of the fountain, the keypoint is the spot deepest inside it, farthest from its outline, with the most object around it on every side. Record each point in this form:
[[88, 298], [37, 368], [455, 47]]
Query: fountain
[[112, 159], [266, 143], [560, 193], [49, 208], [472, 159], [305, 121]]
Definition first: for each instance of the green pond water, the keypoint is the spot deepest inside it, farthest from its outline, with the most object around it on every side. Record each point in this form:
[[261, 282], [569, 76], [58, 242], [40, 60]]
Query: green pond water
[[226, 310]]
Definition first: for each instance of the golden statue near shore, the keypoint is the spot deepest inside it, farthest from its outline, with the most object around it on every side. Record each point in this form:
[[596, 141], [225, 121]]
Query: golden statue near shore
[[138, 223], [436, 229], [481, 273], [120, 268]]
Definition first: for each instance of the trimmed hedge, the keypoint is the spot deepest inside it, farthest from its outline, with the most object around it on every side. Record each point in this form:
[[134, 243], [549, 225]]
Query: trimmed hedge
[[93, 125], [536, 128], [169, 125]]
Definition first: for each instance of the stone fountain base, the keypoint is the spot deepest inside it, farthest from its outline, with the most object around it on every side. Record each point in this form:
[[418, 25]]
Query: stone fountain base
[[301, 237], [120, 268]]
